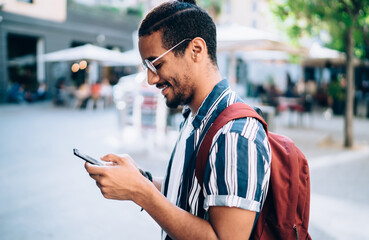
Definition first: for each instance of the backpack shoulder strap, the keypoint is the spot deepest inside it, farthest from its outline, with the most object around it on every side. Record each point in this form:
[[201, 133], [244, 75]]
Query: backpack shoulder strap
[[232, 112]]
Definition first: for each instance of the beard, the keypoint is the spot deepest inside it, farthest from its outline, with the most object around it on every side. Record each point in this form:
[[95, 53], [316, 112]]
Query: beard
[[181, 92]]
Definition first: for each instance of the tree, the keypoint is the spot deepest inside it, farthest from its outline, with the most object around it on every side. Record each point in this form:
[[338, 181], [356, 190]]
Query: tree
[[214, 7], [346, 21]]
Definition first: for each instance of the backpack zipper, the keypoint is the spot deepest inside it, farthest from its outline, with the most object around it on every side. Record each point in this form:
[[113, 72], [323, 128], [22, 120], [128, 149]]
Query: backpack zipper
[[297, 233]]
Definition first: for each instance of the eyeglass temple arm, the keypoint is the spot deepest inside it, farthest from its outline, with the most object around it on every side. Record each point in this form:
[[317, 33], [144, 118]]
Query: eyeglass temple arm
[[156, 59]]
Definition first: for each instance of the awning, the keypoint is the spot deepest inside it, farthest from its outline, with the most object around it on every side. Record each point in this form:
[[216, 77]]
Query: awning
[[91, 52]]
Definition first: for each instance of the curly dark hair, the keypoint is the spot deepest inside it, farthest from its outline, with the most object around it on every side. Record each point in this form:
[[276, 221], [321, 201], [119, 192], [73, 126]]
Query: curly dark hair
[[179, 20]]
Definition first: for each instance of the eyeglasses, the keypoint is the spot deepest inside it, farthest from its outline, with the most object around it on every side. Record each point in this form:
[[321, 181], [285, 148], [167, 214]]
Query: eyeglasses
[[147, 64]]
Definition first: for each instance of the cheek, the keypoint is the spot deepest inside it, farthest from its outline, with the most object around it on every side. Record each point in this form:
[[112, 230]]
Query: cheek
[[179, 82], [184, 87], [179, 77]]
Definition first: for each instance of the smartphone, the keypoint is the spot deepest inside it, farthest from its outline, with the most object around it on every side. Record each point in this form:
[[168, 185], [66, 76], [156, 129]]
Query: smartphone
[[88, 158]]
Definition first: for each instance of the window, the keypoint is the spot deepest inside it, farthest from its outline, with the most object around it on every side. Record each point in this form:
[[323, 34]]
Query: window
[[26, 1], [254, 23], [255, 6]]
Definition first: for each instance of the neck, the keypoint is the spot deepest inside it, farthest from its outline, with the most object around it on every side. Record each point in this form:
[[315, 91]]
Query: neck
[[206, 83]]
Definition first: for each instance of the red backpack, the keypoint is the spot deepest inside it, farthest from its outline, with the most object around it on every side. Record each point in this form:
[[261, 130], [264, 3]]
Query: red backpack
[[285, 214]]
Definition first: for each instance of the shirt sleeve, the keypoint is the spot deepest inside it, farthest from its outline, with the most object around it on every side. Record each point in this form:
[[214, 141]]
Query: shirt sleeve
[[238, 170]]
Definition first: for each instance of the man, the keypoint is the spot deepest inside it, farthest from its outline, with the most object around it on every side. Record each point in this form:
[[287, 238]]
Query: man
[[177, 42]]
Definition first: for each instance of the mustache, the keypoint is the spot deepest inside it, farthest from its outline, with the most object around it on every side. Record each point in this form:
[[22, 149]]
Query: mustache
[[163, 84]]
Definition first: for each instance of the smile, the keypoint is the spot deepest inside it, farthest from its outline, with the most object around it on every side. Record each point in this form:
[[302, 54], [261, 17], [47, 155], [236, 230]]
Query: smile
[[163, 87]]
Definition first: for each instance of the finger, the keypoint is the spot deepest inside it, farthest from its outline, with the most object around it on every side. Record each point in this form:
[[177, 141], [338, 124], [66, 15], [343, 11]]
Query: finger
[[111, 158], [94, 170], [99, 185], [110, 164], [95, 177], [106, 195]]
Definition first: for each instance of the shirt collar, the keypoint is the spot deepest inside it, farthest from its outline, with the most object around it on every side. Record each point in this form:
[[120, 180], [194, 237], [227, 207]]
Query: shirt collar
[[207, 103]]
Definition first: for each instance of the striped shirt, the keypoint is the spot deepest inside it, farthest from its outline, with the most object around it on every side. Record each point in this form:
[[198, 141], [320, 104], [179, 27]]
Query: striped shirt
[[238, 171]]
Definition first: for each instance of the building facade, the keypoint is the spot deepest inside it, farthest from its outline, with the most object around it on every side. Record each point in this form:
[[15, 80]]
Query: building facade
[[30, 28]]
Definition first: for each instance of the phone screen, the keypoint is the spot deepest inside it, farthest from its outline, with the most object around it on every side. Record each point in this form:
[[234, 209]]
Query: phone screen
[[88, 158]]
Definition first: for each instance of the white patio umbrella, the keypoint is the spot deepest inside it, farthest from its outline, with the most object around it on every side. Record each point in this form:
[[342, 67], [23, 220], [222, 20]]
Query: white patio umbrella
[[91, 52], [131, 57], [235, 37], [95, 55], [320, 56]]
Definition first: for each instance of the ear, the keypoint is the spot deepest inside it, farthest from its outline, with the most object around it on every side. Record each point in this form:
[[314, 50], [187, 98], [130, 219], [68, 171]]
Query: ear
[[199, 50]]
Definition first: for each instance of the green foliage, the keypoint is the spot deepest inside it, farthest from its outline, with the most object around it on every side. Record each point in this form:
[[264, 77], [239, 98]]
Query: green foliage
[[108, 8], [138, 10], [214, 6], [102, 10], [296, 59], [336, 90], [299, 18]]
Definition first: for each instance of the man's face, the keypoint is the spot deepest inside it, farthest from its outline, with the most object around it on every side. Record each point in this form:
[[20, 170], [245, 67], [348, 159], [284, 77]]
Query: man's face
[[172, 72]]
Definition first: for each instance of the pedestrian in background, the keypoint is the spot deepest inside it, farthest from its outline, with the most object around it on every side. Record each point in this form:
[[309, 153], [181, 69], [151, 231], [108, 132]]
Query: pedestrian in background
[[177, 42]]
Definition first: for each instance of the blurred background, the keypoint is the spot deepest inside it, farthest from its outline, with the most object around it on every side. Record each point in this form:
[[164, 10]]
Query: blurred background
[[71, 77]]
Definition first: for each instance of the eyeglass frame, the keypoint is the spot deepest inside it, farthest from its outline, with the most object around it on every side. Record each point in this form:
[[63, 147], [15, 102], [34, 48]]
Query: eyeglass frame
[[147, 64]]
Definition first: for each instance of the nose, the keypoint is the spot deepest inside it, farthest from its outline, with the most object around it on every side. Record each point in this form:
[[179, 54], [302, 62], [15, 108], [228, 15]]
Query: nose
[[152, 78]]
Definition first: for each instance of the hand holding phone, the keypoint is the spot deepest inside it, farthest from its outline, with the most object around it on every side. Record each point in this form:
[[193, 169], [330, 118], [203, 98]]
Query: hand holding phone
[[88, 158]]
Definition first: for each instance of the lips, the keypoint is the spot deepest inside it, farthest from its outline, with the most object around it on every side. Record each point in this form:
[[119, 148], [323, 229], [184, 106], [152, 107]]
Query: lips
[[164, 88], [164, 91]]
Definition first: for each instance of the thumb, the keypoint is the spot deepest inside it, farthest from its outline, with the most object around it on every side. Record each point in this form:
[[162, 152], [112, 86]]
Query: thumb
[[112, 158]]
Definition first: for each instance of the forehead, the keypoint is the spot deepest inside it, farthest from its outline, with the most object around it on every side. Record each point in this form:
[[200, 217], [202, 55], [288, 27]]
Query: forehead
[[151, 45]]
